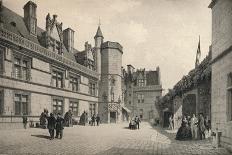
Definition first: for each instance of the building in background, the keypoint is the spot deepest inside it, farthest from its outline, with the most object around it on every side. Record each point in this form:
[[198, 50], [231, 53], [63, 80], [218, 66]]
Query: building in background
[[41, 69], [142, 89], [222, 70]]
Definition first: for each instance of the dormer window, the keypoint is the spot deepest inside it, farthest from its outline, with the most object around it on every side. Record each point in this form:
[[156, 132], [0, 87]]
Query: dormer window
[[55, 46], [90, 64], [141, 82]]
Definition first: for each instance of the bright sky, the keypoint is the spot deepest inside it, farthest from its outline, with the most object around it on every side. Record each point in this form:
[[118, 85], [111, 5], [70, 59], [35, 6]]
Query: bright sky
[[152, 32]]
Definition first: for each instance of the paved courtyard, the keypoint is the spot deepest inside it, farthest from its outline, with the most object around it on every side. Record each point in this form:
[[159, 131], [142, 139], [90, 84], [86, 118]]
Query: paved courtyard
[[113, 139]]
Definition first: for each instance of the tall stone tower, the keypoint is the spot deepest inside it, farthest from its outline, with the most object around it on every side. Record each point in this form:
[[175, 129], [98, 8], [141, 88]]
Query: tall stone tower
[[98, 42], [110, 90]]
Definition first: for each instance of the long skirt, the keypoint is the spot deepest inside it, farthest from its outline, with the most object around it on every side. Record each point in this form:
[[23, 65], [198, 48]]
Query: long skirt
[[184, 133]]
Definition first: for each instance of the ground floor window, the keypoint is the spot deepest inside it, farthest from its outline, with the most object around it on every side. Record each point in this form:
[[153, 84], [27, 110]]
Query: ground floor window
[[141, 113], [1, 61], [21, 104], [73, 106], [229, 96], [1, 102], [92, 109], [58, 106], [151, 114], [230, 104]]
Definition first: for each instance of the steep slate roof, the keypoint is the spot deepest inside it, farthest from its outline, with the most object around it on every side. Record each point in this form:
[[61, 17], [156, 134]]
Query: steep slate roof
[[9, 17], [15, 23], [152, 77], [99, 32]]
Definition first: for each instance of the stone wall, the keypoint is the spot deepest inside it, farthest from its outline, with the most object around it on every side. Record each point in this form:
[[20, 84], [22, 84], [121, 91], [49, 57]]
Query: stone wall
[[221, 42], [39, 88], [220, 108]]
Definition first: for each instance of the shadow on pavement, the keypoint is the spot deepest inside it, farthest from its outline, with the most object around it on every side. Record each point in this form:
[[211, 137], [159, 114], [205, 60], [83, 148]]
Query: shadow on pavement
[[126, 127], [41, 136]]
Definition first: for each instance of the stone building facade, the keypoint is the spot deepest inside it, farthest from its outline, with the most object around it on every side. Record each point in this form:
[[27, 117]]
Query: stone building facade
[[222, 69], [142, 89], [41, 69]]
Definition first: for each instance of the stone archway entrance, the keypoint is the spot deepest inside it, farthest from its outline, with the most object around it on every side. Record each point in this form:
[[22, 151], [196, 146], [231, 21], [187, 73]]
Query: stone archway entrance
[[189, 105], [113, 117]]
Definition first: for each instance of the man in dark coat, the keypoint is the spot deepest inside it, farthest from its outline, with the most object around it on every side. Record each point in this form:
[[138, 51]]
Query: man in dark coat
[[98, 119], [202, 127], [86, 117], [93, 120], [137, 120], [24, 121], [51, 125], [59, 126]]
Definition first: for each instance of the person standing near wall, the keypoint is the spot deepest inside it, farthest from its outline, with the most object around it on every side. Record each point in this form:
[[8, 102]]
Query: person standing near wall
[[170, 122], [194, 128], [98, 119], [59, 126], [202, 127], [137, 121], [25, 121], [51, 125]]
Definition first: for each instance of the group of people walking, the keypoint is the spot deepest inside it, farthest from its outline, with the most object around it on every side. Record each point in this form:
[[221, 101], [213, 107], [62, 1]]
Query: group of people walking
[[55, 124], [95, 119], [193, 128]]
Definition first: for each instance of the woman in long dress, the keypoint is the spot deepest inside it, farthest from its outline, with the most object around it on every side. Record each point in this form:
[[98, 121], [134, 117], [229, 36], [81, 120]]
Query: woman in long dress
[[184, 132]]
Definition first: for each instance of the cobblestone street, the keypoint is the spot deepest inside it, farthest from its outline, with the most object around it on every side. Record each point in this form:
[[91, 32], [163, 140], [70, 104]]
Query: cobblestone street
[[106, 139]]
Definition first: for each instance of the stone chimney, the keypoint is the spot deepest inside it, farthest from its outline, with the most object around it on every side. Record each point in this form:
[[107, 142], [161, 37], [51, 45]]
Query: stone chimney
[[130, 69], [159, 75], [30, 18], [68, 39]]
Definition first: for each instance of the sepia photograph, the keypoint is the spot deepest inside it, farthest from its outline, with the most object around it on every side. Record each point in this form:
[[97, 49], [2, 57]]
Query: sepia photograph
[[116, 77]]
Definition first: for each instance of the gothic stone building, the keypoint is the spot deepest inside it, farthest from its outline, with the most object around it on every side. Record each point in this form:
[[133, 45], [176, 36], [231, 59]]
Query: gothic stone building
[[222, 69], [142, 90], [42, 69]]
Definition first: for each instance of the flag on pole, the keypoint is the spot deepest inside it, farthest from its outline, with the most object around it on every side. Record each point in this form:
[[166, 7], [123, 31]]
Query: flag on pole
[[198, 55]]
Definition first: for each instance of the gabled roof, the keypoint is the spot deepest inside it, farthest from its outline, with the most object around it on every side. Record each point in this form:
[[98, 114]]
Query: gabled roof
[[15, 23]]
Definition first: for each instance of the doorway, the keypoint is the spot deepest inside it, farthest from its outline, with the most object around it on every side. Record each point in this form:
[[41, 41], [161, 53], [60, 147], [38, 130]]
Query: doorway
[[113, 117], [189, 105], [167, 114]]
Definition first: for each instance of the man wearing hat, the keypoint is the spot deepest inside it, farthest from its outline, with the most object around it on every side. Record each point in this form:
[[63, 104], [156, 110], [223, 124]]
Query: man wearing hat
[[51, 125], [59, 126]]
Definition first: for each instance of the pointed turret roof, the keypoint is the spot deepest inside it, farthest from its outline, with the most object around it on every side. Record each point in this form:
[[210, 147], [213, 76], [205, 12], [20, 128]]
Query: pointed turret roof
[[99, 32]]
